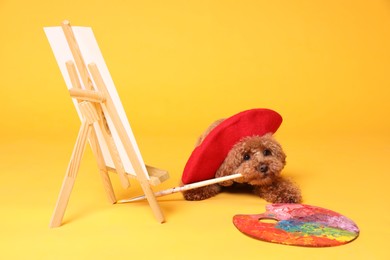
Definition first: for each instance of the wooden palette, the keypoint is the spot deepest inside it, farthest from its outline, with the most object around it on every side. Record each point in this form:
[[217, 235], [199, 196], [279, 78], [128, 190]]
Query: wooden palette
[[299, 225]]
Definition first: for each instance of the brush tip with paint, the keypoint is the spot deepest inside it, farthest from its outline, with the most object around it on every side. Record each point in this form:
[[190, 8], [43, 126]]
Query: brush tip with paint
[[132, 199]]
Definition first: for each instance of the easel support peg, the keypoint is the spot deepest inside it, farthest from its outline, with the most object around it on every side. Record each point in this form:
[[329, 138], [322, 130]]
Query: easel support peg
[[87, 95]]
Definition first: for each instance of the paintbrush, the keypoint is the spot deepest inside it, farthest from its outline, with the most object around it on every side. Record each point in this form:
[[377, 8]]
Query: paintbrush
[[184, 187]]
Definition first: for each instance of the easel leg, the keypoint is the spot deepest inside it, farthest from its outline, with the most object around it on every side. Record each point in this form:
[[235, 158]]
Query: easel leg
[[71, 174], [107, 186], [102, 167], [152, 201]]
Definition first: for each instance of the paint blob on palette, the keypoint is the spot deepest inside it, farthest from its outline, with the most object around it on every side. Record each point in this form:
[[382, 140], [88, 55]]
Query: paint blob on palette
[[299, 225]]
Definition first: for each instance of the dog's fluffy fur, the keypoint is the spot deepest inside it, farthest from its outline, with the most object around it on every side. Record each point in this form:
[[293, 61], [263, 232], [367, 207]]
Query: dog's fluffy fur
[[260, 159]]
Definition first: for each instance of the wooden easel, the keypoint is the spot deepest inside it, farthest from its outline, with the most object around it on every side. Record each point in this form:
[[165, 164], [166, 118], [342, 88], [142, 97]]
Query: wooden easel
[[94, 103]]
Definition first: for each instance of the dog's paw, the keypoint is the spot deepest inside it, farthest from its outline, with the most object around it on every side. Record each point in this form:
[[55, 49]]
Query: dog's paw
[[289, 198], [202, 193], [282, 191]]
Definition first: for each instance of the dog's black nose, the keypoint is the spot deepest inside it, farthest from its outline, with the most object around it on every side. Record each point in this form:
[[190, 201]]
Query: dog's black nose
[[263, 168]]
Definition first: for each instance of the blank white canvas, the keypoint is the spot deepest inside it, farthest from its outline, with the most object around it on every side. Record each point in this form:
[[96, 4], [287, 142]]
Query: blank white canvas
[[91, 54]]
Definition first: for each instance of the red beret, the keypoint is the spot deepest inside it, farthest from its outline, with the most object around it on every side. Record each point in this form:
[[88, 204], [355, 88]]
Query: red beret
[[210, 154]]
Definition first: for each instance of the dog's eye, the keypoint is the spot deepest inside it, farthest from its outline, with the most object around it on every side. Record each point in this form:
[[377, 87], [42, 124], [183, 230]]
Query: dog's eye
[[267, 152], [246, 157]]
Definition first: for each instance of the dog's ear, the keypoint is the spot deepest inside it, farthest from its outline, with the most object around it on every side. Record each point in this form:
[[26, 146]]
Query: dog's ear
[[231, 163], [225, 169]]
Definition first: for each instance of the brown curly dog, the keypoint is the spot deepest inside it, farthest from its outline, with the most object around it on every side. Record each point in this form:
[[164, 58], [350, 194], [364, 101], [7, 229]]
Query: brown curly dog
[[260, 159]]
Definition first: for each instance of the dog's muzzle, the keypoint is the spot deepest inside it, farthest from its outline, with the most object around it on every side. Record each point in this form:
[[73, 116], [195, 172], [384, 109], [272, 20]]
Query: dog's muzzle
[[263, 168]]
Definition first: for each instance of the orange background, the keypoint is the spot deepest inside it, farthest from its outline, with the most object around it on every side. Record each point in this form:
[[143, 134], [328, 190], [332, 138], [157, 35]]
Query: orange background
[[178, 66]]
